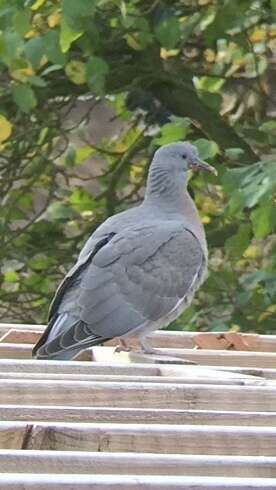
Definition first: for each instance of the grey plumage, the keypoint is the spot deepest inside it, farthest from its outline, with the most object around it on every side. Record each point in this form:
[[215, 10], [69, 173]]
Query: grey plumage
[[139, 269]]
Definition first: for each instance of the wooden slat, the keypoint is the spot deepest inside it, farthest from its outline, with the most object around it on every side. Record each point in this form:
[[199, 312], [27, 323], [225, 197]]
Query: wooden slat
[[33, 365], [20, 481], [109, 368], [155, 438], [67, 413], [166, 339], [215, 379], [139, 415], [206, 357], [139, 395], [33, 461]]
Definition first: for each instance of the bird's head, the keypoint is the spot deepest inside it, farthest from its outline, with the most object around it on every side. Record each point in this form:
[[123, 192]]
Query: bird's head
[[179, 157]]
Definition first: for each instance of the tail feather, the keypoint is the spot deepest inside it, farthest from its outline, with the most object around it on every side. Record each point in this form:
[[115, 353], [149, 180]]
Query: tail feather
[[65, 337]]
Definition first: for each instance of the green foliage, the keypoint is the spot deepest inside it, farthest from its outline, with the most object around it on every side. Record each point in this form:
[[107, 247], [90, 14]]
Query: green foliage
[[168, 71]]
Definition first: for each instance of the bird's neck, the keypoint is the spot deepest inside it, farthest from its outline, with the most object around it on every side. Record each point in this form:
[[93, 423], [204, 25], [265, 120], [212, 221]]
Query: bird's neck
[[168, 193], [164, 188]]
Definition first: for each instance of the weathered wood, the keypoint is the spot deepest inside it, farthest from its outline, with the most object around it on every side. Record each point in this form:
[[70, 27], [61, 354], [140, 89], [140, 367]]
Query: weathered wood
[[166, 339], [33, 461], [21, 481], [145, 438], [135, 415], [214, 379], [32, 365], [203, 357], [21, 336], [139, 395]]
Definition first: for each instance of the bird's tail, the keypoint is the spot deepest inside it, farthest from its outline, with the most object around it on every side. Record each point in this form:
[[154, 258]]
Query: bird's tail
[[59, 344]]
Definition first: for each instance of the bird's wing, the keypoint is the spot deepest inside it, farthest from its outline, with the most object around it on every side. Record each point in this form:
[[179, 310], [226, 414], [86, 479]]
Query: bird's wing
[[136, 277], [67, 290]]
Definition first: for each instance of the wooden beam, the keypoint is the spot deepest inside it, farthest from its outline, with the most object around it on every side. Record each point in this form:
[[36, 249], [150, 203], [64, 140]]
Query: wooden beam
[[23, 481], [67, 413], [122, 368], [203, 357], [138, 395], [160, 338], [188, 439], [34, 461], [214, 378]]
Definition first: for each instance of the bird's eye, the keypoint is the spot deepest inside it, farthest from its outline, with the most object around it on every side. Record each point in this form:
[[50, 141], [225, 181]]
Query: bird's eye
[[184, 155]]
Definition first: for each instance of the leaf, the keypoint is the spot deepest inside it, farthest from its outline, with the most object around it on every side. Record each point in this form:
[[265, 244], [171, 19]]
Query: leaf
[[41, 262], [74, 11], [21, 21], [35, 48], [209, 84], [173, 131], [37, 4], [83, 153], [11, 276], [96, 70], [207, 149], [68, 36], [37, 81], [263, 219], [81, 200], [5, 128], [76, 72], [24, 97], [234, 154], [238, 243], [168, 32], [58, 211], [54, 19], [53, 49], [20, 70]]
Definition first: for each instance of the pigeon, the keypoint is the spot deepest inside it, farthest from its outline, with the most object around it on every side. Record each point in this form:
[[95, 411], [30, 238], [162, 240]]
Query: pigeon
[[138, 271]]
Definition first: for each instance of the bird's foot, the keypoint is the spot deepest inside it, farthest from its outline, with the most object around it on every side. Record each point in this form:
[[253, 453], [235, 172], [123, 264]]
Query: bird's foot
[[123, 347], [161, 355], [146, 348]]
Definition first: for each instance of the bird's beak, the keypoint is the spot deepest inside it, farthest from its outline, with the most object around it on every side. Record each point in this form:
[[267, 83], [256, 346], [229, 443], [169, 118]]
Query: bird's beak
[[197, 164]]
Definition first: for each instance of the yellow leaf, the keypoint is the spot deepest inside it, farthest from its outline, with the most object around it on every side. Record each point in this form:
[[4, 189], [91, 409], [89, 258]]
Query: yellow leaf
[[267, 313], [272, 31], [54, 19], [209, 206], [30, 34], [38, 4], [205, 220], [132, 42], [258, 35], [5, 128], [75, 71], [168, 53], [21, 74], [209, 55], [252, 252]]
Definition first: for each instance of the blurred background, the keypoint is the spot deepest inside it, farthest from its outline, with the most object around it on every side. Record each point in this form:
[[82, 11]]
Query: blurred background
[[88, 90]]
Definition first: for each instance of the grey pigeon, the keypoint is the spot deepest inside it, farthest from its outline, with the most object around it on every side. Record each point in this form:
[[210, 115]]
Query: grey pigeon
[[138, 271]]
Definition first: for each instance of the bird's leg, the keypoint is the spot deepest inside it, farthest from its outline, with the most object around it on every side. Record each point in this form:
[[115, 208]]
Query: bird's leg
[[147, 348], [123, 347]]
